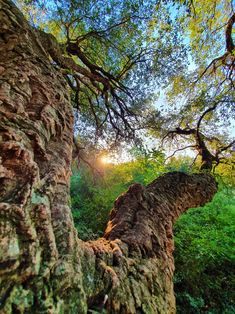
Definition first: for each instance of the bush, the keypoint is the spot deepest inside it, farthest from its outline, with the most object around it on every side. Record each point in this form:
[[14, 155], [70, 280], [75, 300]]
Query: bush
[[205, 257]]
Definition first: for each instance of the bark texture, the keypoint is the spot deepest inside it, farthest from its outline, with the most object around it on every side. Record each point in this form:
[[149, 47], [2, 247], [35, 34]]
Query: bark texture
[[44, 267]]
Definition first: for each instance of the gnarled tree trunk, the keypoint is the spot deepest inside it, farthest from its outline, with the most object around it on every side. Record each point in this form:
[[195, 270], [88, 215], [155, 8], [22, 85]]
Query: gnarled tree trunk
[[44, 267]]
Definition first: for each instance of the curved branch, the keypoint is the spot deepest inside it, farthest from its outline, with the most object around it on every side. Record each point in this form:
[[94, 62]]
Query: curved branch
[[228, 34], [229, 52], [179, 149], [131, 217], [204, 114], [100, 82]]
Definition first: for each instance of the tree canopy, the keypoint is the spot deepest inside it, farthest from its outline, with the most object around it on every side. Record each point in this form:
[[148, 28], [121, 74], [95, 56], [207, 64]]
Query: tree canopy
[[117, 55]]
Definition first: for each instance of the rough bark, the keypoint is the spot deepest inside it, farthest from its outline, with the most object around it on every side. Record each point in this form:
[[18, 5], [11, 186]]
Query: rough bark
[[44, 267]]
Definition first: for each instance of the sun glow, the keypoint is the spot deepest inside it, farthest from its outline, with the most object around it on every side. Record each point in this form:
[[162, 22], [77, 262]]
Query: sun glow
[[106, 160], [114, 158]]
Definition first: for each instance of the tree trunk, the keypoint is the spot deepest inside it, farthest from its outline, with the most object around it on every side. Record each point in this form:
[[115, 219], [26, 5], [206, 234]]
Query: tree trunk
[[44, 267]]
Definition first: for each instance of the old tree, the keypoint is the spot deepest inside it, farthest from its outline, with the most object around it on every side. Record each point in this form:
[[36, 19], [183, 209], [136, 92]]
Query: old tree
[[44, 266]]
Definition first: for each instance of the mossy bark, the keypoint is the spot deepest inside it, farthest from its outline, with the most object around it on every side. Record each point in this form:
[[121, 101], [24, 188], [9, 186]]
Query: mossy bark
[[44, 267]]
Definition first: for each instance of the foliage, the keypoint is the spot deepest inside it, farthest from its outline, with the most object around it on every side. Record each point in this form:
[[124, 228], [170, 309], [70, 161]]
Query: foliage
[[205, 21], [205, 257]]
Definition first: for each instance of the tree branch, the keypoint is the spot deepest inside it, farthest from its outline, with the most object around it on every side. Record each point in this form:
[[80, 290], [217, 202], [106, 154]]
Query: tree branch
[[228, 34]]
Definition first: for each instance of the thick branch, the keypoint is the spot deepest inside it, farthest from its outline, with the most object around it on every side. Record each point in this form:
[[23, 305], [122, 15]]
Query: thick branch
[[227, 59], [139, 237], [136, 214], [208, 157], [228, 34]]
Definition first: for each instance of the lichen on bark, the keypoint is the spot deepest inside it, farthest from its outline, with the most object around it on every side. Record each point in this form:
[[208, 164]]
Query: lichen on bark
[[44, 267]]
